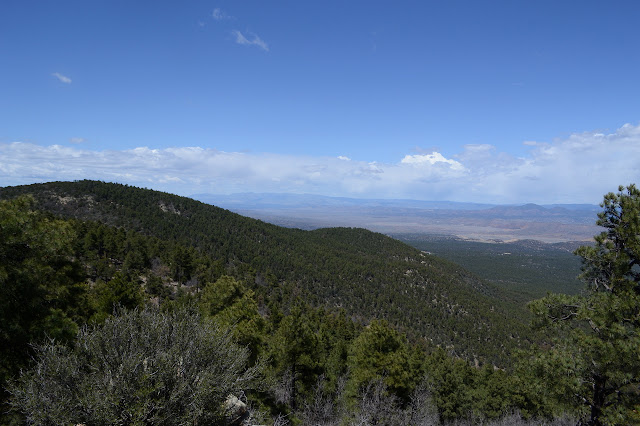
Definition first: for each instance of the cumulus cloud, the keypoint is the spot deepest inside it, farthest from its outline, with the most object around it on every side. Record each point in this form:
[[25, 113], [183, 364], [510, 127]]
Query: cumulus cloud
[[62, 78], [580, 168], [431, 159], [255, 40]]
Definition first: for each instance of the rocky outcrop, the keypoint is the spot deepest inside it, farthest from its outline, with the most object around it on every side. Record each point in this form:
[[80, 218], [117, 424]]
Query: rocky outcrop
[[236, 412]]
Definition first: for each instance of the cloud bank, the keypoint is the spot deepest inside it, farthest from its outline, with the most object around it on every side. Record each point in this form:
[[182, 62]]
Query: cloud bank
[[578, 169]]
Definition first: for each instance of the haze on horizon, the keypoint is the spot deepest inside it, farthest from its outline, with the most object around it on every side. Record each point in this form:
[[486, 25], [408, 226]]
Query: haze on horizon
[[508, 102]]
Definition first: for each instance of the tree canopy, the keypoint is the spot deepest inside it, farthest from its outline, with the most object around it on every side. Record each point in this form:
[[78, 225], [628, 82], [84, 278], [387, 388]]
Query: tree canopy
[[41, 288], [594, 361]]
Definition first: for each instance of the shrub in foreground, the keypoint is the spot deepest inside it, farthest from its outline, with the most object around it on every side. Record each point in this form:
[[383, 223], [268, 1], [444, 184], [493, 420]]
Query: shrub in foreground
[[141, 366]]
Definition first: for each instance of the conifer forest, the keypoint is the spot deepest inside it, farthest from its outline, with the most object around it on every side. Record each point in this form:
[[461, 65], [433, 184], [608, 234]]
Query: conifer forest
[[121, 305]]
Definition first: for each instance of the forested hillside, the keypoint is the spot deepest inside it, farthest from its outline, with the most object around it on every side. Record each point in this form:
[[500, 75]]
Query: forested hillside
[[120, 305], [367, 274], [527, 269]]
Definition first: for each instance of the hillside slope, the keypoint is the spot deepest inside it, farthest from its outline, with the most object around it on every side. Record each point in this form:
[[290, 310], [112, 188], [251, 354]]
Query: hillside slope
[[527, 268], [368, 274]]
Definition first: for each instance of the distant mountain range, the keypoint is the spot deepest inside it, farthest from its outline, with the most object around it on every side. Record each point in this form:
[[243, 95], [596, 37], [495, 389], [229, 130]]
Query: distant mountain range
[[279, 200], [547, 223]]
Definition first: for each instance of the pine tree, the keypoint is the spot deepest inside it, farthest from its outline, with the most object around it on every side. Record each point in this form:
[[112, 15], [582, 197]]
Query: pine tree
[[595, 361], [294, 350], [381, 353]]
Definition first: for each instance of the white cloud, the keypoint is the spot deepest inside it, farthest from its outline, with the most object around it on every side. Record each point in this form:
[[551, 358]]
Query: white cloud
[[344, 158], [62, 78], [219, 15], [580, 168], [77, 140], [433, 158], [255, 41]]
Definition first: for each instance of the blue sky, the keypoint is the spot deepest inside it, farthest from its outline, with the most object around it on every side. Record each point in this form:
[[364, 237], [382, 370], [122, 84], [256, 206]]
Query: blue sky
[[505, 102]]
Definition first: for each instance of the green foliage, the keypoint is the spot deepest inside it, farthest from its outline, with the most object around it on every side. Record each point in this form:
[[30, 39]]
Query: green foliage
[[381, 353], [461, 391], [218, 296], [41, 290], [156, 287], [452, 381], [595, 360], [612, 265], [523, 270], [230, 303], [294, 352], [492, 393], [122, 290], [139, 367], [335, 333], [544, 382]]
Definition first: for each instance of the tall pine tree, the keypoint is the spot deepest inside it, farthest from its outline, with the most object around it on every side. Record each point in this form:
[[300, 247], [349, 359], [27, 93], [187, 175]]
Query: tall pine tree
[[595, 361]]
